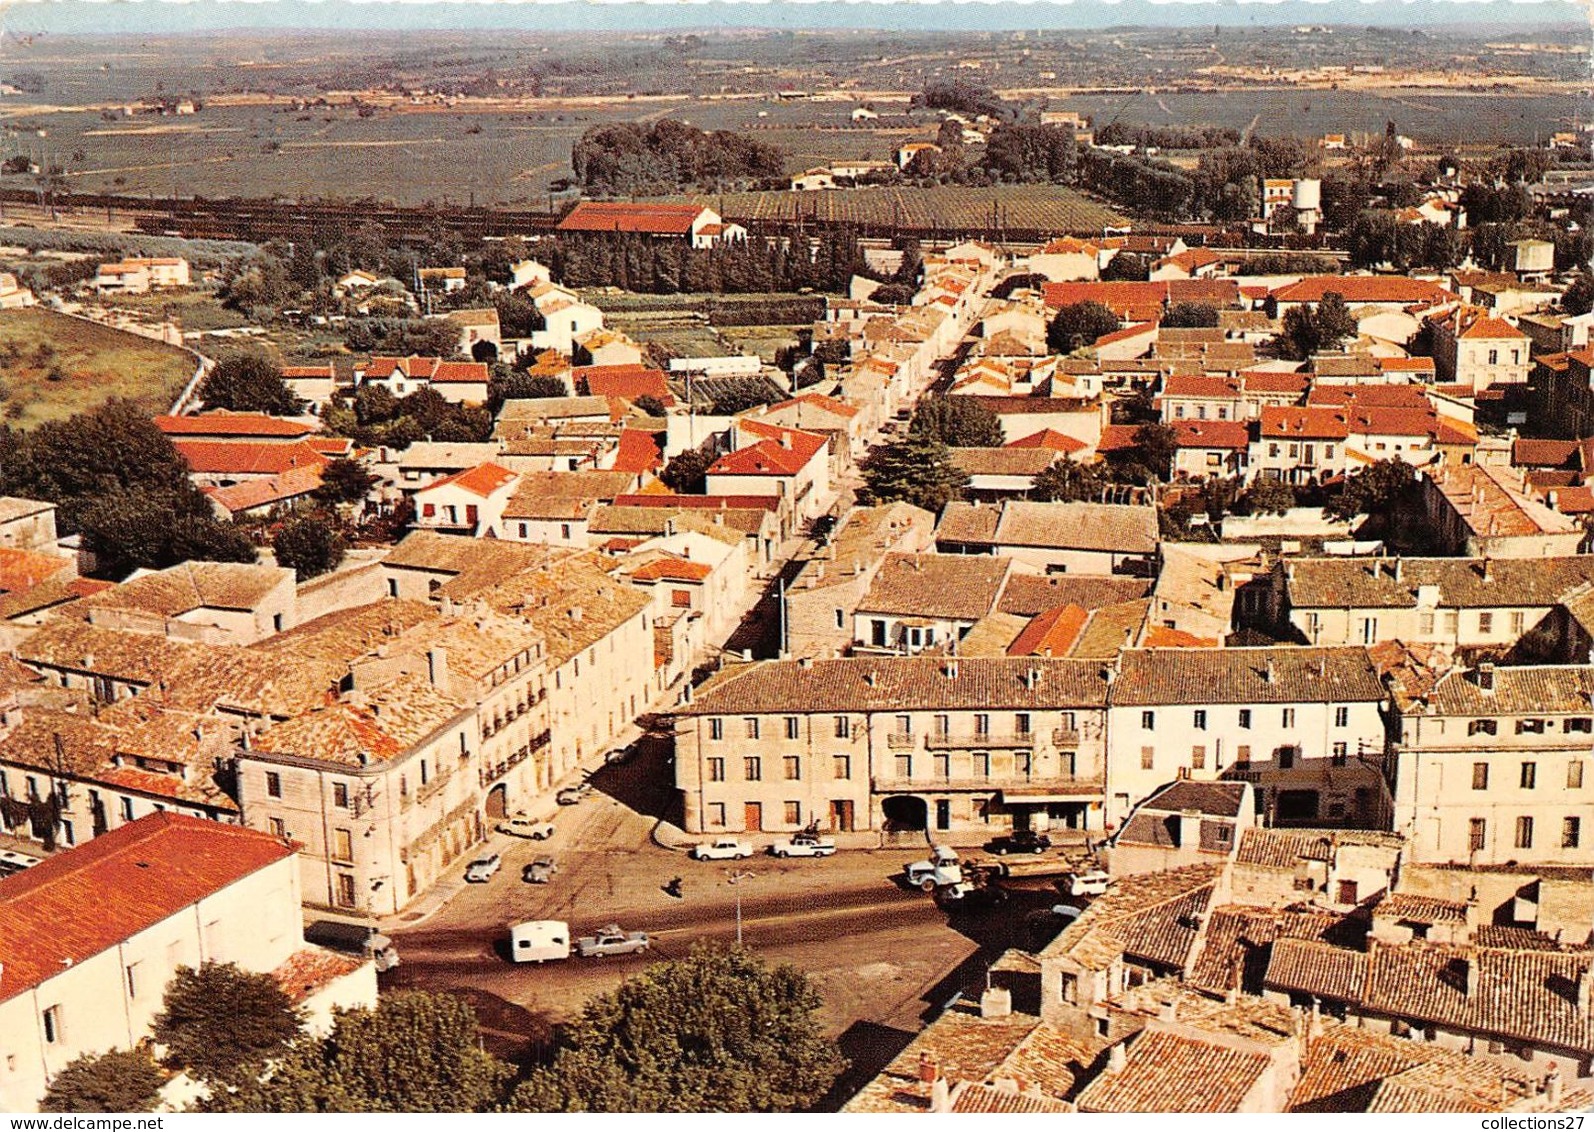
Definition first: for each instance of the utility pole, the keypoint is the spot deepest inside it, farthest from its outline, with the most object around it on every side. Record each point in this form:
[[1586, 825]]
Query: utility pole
[[735, 879]]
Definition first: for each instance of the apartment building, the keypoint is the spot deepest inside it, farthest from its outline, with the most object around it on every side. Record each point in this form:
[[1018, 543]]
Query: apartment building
[[1482, 510], [948, 745], [1489, 767], [1304, 726]]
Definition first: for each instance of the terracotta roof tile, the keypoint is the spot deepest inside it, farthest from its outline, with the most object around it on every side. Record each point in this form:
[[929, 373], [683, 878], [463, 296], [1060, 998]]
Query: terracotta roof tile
[[1167, 1072], [1246, 676]]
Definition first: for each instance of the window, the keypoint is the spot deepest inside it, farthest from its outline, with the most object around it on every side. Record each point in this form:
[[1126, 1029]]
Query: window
[[904, 725], [345, 890], [1425, 624], [904, 765], [1480, 776], [841, 766], [794, 813], [340, 795], [1021, 723], [1242, 757], [1342, 717], [52, 1024], [342, 845], [1494, 357], [1530, 727], [982, 764], [1530, 774], [1485, 622], [680, 599], [1148, 758], [716, 729], [1574, 774], [425, 773], [716, 814], [1340, 754], [792, 730], [273, 784], [524, 533], [1286, 756], [841, 619], [127, 809], [1347, 892], [1578, 723], [1524, 832], [279, 830], [791, 766], [1477, 834], [843, 727], [1571, 832], [943, 725], [750, 723], [1245, 717], [1200, 719], [132, 980], [1518, 623], [1287, 717], [982, 724], [1482, 727], [1452, 621], [1328, 451], [716, 770], [753, 768], [1148, 721], [1198, 758]]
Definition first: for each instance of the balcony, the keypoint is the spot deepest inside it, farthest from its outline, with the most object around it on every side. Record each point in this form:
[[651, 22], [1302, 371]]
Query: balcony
[[980, 741], [1065, 737], [1070, 784], [900, 740]]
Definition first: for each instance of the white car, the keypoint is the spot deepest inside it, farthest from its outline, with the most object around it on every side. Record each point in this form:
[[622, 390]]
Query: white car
[[803, 846], [722, 849], [523, 825], [483, 869], [942, 870], [1092, 883]]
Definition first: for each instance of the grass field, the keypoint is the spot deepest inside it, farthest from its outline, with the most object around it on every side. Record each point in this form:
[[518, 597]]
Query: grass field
[[1039, 207], [52, 365]]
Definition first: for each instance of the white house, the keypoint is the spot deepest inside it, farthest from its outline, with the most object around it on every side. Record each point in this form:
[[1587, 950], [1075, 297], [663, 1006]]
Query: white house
[[466, 503]]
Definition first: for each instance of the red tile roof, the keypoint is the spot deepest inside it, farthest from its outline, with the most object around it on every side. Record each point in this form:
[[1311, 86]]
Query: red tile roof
[[627, 382], [1267, 381], [87, 900], [247, 457], [673, 570], [1049, 438], [703, 502], [1296, 422], [1406, 365], [482, 480], [219, 422], [1140, 301], [326, 371], [1369, 396], [1052, 633], [1200, 385], [1363, 289], [24, 569], [638, 452], [653, 219], [1233, 435], [1117, 437], [463, 373], [1127, 333], [291, 484]]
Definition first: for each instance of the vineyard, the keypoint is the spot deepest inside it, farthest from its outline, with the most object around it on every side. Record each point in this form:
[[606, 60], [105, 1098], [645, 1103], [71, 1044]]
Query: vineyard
[[946, 209]]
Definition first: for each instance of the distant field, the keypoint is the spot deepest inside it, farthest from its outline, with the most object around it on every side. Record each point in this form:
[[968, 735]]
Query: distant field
[[91, 364], [1036, 207]]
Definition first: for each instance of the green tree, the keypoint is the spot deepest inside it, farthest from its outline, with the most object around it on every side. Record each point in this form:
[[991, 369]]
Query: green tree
[[344, 481], [1381, 490], [508, 384], [1579, 296], [221, 1022], [310, 545], [1308, 330], [1267, 497], [918, 470], [248, 383], [1190, 315], [416, 1052], [1068, 481], [958, 422], [122, 1080], [1079, 324], [153, 529], [684, 473], [714, 1032]]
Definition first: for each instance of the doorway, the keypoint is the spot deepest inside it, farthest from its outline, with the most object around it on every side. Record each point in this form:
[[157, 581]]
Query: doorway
[[753, 817]]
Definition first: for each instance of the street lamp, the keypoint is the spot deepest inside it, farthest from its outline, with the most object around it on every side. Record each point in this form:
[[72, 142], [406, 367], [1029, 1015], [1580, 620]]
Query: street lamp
[[735, 879]]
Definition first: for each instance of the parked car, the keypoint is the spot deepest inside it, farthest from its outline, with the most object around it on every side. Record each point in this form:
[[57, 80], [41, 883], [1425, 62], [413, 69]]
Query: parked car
[[1091, 883], [483, 869], [540, 871], [804, 845], [572, 795], [943, 869], [354, 939], [722, 849], [523, 825], [611, 940], [1019, 841]]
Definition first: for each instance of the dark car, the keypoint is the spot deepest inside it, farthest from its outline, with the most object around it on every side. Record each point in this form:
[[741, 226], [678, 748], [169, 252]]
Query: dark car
[[1019, 841]]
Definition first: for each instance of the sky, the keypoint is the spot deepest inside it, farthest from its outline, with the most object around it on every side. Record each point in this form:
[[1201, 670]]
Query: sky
[[65, 17]]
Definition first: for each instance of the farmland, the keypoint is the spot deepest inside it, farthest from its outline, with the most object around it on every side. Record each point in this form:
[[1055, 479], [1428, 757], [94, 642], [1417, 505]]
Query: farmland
[[52, 365], [1020, 207]]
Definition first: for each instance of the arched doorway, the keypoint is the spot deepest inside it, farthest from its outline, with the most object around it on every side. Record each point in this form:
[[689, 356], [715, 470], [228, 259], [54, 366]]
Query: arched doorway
[[905, 813], [497, 802]]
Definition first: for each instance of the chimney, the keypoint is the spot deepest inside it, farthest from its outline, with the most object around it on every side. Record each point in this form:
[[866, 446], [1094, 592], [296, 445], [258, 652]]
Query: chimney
[[871, 678], [1488, 569], [805, 662], [1270, 675], [1552, 1088], [1189, 829], [1585, 989], [950, 668], [1168, 1012], [785, 440], [1486, 675], [996, 1002], [928, 1069], [1395, 569], [1117, 1058], [575, 613], [1469, 973], [437, 667], [1032, 677], [686, 694], [940, 1095]]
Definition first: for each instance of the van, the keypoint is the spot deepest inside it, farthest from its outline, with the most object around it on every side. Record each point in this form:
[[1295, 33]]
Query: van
[[354, 939], [537, 941]]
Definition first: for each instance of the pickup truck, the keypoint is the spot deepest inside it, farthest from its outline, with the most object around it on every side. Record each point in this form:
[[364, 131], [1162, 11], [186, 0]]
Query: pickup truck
[[722, 849], [940, 871], [803, 846], [611, 940]]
